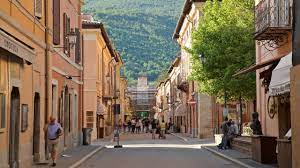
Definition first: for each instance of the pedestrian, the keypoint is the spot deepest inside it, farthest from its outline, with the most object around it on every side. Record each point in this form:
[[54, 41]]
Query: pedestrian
[[53, 131], [232, 132], [153, 128], [133, 123], [129, 126], [162, 129], [138, 126], [225, 129], [147, 125], [124, 127]]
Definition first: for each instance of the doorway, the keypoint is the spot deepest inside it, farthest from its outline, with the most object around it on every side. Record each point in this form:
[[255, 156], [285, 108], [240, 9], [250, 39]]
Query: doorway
[[66, 115], [36, 128], [14, 131]]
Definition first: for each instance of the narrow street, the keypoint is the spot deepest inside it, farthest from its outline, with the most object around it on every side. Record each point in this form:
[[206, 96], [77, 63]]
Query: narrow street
[[141, 151]]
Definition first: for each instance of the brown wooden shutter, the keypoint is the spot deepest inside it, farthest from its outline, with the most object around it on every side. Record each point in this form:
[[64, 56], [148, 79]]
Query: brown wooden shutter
[[38, 8], [56, 22], [68, 32], [78, 46], [65, 20]]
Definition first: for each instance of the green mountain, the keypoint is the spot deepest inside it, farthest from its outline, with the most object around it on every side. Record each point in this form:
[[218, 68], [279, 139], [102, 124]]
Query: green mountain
[[141, 30]]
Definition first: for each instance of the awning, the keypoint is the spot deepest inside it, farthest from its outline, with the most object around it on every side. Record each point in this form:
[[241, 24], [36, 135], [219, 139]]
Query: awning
[[258, 66], [180, 110], [280, 81]]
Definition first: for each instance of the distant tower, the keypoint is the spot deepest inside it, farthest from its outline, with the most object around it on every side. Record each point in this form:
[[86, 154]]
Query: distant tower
[[142, 82]]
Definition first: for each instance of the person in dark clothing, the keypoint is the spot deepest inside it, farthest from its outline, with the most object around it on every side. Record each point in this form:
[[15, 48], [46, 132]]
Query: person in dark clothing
[[147, 125], [129, 125], [224, 128], [153, 127]]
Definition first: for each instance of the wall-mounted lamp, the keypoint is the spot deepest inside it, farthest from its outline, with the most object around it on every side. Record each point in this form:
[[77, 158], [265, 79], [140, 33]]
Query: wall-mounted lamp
[[71, 77], [202, 58], [72, 36]]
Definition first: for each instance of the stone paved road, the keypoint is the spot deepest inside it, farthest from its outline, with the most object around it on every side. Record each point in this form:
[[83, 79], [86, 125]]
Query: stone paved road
[[140, 151]]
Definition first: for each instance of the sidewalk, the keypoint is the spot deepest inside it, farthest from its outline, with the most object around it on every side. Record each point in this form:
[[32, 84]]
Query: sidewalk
[[187, 138], [237, 157], [74, 157]]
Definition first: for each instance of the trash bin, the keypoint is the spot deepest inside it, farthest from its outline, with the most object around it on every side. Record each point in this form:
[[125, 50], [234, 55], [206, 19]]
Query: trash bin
[[87, 136]]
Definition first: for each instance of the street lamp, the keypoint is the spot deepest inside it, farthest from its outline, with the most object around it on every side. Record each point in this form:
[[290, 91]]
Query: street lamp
[[202, 58], [72, 36]]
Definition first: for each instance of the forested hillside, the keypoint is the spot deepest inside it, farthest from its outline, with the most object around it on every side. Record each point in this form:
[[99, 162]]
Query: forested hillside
[[141, 31]]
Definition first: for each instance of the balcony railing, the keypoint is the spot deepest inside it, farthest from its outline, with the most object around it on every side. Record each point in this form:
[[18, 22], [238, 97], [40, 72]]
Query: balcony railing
[[272, 18]]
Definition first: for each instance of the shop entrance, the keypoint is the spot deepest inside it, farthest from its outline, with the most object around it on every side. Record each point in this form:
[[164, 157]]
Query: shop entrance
[[14, 131], [36, 128]]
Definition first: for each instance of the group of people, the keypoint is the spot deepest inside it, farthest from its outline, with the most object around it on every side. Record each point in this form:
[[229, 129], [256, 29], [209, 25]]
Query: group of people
[[229, 130], [137, 125]]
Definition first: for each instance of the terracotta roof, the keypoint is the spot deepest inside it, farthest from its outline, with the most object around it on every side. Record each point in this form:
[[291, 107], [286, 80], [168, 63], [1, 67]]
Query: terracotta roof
[[185, 11], [98, 25], [174, 63]]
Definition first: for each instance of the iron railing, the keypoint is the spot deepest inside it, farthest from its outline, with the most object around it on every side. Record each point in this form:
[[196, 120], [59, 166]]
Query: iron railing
[[274, 14]]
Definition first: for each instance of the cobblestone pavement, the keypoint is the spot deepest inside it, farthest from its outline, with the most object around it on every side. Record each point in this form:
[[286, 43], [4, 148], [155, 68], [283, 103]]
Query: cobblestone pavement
[[141, 151]]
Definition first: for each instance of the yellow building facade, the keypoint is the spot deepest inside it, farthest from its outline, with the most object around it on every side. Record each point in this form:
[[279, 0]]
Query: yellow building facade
[[24, 57], [102, 80]]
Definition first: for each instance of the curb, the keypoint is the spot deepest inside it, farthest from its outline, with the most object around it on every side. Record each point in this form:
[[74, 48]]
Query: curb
[[227, 158], [78, 163], [180, 137]]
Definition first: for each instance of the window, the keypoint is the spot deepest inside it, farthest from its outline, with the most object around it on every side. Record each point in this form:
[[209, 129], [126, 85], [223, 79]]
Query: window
[[56, 22], [2, 110]]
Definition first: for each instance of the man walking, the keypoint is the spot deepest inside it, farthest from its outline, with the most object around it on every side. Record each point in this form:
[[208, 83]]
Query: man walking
[[153, 128], [53, 131]]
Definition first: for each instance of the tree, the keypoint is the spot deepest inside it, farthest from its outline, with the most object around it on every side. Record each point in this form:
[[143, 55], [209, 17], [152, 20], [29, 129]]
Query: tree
[[225, 38]]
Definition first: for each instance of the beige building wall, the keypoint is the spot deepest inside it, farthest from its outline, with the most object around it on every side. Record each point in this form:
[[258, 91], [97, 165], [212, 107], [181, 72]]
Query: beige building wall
[[91, 51]]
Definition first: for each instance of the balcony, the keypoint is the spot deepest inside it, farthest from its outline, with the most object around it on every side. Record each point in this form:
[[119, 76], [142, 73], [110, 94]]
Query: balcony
[[273, 19]]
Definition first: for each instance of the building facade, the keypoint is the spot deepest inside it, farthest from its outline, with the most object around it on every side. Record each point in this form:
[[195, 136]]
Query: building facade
[[24, 51], [273, 81], [67, 69], [198, 107], [101, 79]]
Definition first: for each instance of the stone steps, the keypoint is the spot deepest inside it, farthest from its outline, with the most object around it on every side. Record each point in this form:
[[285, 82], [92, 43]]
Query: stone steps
[[242, 144]]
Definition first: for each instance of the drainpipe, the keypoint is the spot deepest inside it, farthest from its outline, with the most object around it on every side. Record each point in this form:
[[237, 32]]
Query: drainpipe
[[47, 68], [82, 87], [103, 74]]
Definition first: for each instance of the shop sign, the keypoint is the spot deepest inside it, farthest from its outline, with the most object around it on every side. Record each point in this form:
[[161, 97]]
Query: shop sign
[[15, 47], [273, 105]]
